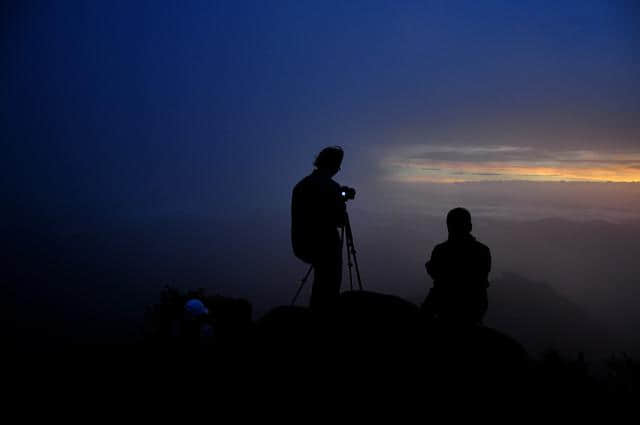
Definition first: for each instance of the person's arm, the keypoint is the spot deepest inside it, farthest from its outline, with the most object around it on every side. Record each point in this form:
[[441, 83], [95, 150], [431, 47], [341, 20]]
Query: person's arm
[[339, 206], [433, 266], [487, 267]]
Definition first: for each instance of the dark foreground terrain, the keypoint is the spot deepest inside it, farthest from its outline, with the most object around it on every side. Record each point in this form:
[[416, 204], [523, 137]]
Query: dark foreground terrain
[[371, 343]]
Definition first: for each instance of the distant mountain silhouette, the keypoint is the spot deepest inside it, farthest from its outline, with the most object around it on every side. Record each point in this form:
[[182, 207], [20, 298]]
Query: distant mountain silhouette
[[542, 318]]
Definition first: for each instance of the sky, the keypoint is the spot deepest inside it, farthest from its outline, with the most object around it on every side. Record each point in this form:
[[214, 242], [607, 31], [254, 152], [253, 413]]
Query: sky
[[121, 114], [120, 108]]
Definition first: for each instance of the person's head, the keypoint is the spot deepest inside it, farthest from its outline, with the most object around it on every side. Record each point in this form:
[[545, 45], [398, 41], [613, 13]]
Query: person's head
[[329, 159], [459, 222]]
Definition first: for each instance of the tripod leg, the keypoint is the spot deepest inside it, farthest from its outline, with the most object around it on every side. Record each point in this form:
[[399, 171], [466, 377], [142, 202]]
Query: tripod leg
[[349, 263], [302, 282], [352, 248], [355, 260]]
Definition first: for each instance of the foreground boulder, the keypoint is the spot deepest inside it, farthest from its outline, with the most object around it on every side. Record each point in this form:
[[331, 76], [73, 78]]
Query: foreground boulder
[[385, 336]]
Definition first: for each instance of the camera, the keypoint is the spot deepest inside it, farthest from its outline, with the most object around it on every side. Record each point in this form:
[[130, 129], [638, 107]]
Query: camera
[[347, 193]]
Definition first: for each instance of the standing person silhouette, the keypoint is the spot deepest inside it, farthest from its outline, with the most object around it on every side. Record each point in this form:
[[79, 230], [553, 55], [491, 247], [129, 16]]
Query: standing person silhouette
[[460, 269], [317, 213]]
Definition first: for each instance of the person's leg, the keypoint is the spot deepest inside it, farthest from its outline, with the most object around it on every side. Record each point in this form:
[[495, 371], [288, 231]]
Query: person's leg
[[327, 278]]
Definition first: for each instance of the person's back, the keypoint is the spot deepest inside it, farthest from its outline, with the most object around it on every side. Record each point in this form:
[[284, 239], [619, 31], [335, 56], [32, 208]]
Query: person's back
[[315, 214], [460, 270]]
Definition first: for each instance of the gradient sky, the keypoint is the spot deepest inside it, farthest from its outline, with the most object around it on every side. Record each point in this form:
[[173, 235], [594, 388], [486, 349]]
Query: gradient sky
[[126, 108], [156, 142]]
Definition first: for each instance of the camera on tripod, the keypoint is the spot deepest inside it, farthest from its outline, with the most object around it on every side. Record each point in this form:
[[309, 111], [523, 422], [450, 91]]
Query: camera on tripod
[[347, 193]]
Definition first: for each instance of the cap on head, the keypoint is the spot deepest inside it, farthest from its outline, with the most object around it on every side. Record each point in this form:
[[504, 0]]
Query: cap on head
[[459, 221], [329, 158], [195, 308]]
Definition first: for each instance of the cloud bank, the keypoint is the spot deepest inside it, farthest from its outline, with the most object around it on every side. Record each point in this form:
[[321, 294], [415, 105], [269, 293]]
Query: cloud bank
[[452, 164]]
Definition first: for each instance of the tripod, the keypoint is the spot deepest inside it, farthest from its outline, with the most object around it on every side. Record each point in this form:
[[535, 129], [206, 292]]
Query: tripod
[[351, 252], [352, 260]]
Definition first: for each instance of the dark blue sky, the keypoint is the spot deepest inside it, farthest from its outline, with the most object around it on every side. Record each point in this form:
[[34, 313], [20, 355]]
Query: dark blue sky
[[130, 108]]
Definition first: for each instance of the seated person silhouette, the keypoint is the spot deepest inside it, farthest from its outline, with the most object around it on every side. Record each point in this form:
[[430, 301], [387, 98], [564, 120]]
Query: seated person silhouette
[[460, 270], [317, 212]]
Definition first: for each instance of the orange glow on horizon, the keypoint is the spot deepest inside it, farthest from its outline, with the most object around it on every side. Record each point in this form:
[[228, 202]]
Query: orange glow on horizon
[[580, 166]]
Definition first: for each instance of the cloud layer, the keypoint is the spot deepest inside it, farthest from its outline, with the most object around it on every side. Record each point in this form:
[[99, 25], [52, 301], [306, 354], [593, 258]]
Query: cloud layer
[[447, 164]]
